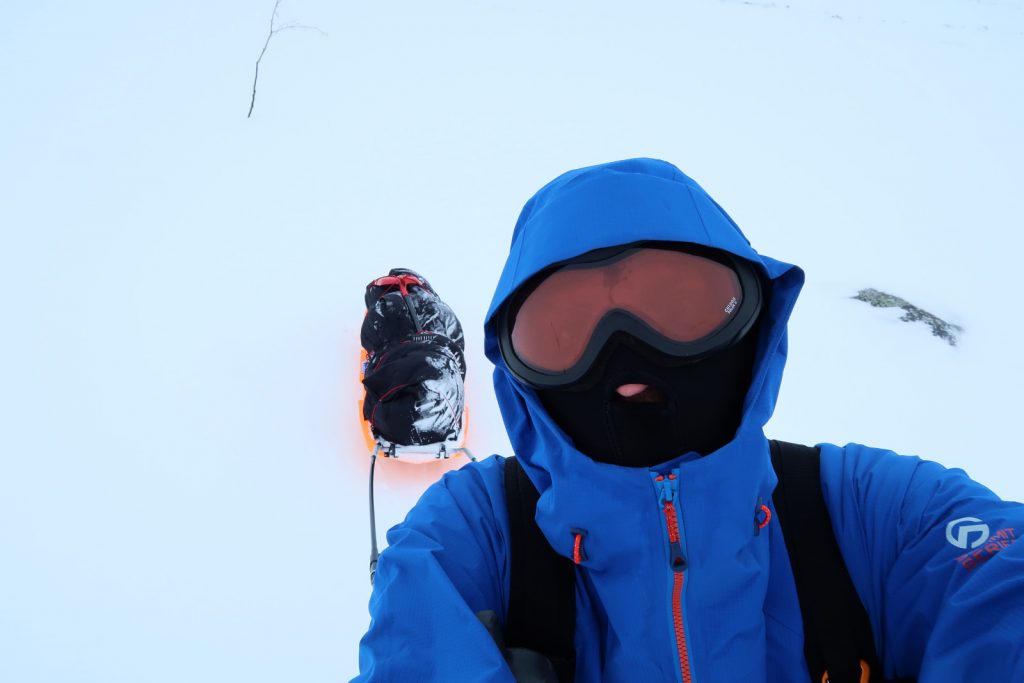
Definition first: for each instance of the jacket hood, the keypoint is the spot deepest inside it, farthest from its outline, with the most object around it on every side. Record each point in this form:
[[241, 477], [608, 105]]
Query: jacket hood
[[608, 205]]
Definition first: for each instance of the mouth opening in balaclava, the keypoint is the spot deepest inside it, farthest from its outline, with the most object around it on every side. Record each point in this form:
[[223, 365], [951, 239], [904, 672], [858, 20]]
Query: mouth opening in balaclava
[[638, 407]]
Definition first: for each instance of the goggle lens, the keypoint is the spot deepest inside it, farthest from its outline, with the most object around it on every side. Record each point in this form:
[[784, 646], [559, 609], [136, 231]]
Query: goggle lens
[[681, 296]]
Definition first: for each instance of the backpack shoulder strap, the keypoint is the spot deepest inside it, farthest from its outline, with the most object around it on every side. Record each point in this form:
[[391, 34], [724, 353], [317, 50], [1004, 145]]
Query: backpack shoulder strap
[[541, 612], [837, 632]]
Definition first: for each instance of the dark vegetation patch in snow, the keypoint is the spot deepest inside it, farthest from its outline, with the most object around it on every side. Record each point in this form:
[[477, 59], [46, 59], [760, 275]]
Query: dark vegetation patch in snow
[[911, 313]]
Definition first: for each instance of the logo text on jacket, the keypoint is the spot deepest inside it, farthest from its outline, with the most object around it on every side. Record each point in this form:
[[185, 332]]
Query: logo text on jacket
[[993, 544]]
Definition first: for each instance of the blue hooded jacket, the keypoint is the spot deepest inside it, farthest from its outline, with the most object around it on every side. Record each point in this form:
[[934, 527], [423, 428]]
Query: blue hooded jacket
[[931, 553]]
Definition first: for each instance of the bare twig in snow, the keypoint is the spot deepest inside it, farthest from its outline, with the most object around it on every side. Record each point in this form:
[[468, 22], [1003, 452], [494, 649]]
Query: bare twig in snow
[[274, 30]]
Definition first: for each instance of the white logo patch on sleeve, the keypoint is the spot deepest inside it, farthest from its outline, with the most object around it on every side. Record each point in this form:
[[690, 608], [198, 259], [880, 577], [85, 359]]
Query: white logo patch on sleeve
[[959, 532]]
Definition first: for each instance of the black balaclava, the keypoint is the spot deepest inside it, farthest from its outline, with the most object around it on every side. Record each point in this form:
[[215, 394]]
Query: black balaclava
[[692, 407]]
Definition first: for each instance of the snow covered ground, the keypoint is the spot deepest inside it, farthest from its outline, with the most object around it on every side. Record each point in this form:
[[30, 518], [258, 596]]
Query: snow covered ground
[[182, 480]]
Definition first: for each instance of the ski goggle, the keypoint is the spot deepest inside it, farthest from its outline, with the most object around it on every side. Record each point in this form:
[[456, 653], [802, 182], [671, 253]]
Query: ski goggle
[[686, 302]]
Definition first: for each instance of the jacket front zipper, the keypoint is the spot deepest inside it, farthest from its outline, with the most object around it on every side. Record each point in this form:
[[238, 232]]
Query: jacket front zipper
[[677, 563]]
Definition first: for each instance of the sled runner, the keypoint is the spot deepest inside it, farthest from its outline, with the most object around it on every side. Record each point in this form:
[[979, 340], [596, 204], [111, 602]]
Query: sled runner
[[413, 370]]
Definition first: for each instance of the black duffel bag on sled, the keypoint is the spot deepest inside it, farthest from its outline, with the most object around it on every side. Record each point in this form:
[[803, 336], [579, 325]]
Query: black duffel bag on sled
[[415, 365]]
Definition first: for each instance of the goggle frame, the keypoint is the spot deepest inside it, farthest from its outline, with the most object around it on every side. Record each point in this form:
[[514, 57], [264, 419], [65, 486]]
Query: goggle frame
[[627, 326]]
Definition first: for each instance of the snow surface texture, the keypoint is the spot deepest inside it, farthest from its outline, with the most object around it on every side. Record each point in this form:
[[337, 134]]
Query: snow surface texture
[[182, 475]]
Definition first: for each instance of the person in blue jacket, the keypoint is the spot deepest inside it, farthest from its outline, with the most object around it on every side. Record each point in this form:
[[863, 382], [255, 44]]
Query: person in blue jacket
[[639, 343]]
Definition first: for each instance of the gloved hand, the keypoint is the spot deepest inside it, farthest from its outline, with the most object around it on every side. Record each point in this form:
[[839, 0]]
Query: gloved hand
[[527, 666]]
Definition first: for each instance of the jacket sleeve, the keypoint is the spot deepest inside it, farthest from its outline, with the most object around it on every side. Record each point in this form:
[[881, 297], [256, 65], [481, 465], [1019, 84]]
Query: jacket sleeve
[[443, 564], [935, 558]]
